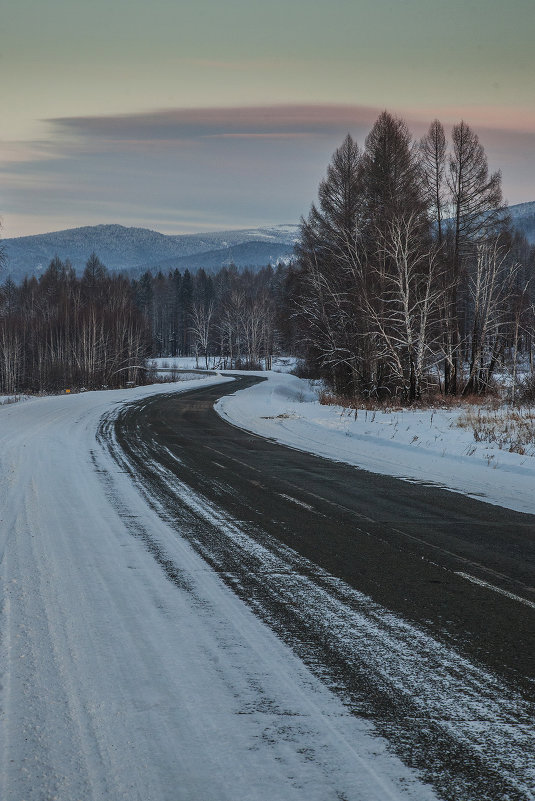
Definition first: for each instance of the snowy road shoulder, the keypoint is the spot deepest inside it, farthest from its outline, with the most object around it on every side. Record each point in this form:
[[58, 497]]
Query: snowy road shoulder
[[423, 446]]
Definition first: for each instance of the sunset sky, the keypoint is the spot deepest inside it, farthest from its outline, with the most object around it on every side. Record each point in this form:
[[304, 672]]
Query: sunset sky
[[205, 115]]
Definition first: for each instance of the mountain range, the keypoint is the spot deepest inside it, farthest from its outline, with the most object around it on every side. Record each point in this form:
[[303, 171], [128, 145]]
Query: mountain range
[[139, 249], [523, 218]]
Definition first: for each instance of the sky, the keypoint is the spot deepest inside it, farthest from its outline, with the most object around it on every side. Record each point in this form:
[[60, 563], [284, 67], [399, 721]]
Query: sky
[[209, 115]]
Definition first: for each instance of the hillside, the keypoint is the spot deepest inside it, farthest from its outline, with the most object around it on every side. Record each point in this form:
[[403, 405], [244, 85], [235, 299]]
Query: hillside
[[140, 249], [523, 217]]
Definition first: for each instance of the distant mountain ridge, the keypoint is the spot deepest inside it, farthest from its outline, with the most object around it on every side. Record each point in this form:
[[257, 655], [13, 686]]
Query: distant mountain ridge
[[523, 217], [140, 249]]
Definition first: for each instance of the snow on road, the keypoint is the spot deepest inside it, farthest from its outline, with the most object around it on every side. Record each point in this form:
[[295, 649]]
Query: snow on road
[[118, 683], [417, 445]]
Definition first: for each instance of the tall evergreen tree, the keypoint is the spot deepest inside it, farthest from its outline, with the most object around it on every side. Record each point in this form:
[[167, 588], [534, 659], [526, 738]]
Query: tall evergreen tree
[[325, 250], [433, 169], [391, 178]]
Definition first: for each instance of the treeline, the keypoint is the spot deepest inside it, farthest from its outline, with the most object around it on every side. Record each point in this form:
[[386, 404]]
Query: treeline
[[62, 331], [232, 318], [409, 278], [99, 330]]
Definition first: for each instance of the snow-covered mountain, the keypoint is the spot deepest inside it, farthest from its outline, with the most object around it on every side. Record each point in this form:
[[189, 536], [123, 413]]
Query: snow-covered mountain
[[139, 249], [523, 217]]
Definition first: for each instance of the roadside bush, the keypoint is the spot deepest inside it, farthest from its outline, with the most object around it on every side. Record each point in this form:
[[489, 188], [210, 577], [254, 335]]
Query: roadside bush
[[526, 391], [304, 370]]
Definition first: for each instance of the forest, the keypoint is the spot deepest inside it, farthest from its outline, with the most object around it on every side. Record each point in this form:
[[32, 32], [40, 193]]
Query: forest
[[408, 280]]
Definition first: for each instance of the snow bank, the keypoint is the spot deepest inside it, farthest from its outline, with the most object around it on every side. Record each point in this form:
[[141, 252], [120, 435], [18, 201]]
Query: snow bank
[[415, 445]]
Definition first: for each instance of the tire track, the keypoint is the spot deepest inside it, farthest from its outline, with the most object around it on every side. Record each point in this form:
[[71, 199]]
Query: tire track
[[469, 733]]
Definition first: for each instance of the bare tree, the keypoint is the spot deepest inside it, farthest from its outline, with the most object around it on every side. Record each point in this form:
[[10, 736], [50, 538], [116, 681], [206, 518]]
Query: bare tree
[[477, 213], [10, 355], [491, 288], [231, 326], [322, 312], [406, 319], [201, 329], [522, 324]]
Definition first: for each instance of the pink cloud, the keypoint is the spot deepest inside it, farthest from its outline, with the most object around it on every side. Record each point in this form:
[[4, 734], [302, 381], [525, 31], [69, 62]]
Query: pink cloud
[[518, 119], [184, 122], [170, 161]]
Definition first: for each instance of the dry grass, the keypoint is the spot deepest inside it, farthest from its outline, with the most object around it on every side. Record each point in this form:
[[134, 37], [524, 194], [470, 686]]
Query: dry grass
[[327, 398], [431, 401], [509, 429]]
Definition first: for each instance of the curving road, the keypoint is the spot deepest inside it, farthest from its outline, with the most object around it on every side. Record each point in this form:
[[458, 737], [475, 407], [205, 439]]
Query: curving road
[[415, 605], [128, 670]]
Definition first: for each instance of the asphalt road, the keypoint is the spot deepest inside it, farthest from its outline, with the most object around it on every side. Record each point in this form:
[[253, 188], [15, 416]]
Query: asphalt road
[[416, 605]]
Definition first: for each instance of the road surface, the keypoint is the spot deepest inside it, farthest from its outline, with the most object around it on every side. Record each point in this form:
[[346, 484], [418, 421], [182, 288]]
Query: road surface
[[415, 605], [191, 612]]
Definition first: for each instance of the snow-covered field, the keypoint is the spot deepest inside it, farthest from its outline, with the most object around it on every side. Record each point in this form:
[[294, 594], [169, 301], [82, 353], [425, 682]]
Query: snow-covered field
[[166, 364], [424, 446], [117, 683]]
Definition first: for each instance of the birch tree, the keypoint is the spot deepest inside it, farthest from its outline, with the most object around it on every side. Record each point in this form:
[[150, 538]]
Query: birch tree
[[491, 287], [405, 321], [202, 316]]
